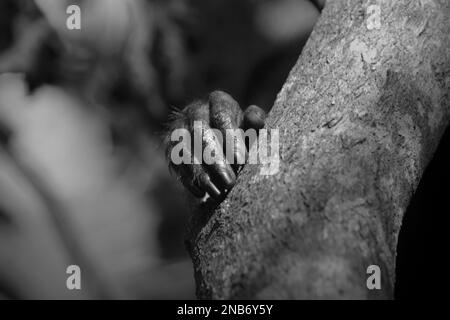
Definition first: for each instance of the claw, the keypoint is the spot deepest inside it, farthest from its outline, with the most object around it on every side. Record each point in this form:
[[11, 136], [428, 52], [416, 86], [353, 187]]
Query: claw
[[206, 183]]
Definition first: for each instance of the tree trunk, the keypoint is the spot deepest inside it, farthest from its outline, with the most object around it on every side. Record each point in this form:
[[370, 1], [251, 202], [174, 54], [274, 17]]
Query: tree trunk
[[359, 117]]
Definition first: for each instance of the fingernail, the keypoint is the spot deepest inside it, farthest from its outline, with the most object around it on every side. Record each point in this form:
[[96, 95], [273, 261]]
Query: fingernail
[[229, 179], [212, 190]]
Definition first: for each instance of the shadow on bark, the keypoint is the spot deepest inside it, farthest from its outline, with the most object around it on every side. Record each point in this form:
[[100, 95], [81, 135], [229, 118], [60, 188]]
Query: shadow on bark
[[424, 235]]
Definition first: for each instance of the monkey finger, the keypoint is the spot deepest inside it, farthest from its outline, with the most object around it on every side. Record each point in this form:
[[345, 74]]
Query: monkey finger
[[193, 175], [205, 182], [225, 112], [197, 181], [222, 175], [218, 168], [254, 118], [196, 112], [181, 160], [202, 180], [226, 116]]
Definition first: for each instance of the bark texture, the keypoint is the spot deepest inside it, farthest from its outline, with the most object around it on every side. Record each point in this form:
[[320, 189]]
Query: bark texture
[[360, 116]]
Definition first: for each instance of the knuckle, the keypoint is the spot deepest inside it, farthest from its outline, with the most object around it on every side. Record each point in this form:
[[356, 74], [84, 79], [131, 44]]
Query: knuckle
[[222, 99], [218, 94]]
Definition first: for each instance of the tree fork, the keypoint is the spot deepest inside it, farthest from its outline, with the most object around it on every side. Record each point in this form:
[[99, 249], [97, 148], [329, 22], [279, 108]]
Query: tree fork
[[360, 117]]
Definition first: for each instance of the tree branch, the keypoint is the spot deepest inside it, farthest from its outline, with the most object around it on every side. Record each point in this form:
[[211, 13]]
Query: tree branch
[[359, 117]]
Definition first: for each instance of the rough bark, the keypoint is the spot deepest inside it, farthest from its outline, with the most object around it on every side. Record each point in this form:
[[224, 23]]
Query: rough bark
[[360, 116]]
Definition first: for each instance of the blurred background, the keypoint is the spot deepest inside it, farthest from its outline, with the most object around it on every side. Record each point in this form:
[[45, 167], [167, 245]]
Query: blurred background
[[83, 179]]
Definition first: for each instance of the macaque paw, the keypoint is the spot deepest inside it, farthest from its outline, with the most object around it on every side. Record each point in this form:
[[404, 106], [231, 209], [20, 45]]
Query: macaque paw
[[212, 127]]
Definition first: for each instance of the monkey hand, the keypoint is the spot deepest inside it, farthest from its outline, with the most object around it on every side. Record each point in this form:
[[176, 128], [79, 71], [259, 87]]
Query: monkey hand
[[206, 129]]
